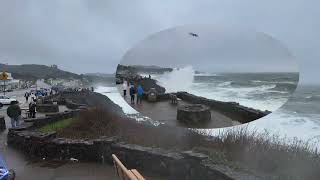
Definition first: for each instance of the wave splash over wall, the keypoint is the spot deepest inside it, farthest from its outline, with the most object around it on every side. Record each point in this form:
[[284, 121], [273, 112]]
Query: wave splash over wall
[[180, 79]]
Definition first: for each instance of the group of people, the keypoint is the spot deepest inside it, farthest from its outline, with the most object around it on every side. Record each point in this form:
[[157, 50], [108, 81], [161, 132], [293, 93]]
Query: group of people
[[133, 91], [28, 95], [14, 110]]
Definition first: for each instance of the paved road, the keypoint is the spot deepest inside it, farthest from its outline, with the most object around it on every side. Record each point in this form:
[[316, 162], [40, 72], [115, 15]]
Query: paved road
[[44, 170]]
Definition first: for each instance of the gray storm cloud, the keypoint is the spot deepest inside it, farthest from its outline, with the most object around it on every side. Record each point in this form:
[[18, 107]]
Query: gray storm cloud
[[213, 49], [93, 35]]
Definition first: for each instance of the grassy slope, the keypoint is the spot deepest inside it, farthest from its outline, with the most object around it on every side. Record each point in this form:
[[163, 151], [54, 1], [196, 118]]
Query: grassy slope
[[56, 126]]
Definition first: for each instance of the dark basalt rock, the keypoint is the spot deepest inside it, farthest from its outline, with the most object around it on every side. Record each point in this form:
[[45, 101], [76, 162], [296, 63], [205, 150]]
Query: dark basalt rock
[[147, 84], [130, 73]]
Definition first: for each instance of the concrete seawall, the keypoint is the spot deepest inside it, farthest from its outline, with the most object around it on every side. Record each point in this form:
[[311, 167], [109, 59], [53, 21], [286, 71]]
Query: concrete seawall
[[231, 109]]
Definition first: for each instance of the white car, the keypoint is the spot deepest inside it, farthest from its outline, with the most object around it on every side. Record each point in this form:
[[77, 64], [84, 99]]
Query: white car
[[6, 100]]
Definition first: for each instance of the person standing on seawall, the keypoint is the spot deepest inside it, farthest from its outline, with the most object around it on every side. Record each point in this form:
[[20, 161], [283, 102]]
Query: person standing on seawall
[[32, 109], [125, 86], [14, 112], [26, 95], [132, 93], [139, 94]]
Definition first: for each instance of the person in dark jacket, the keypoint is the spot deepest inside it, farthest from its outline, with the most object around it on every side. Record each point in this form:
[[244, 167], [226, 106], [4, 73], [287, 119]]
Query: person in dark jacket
[[14, 112], [32, 109], [26, 95], [132, 93]]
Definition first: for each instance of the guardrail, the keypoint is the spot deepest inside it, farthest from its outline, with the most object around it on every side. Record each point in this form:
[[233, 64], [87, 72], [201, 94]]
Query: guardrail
[[123, 173]]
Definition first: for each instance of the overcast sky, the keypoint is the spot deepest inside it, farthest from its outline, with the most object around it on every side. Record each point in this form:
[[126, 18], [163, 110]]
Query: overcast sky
[[210, 48], [93, 35]]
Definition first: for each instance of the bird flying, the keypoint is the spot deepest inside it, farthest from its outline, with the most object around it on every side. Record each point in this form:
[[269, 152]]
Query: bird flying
[[193, 34]]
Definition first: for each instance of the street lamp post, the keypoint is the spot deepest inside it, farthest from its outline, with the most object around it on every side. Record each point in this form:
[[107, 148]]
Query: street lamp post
[[4, 87]]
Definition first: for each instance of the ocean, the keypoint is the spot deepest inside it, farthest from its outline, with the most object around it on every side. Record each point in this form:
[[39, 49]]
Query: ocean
[[264, 91]]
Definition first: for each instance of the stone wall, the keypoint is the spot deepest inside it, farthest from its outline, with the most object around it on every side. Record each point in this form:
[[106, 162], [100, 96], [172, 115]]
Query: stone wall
[[51, 118], [231, 109], [179, 165], [160, 96], [44, 108]]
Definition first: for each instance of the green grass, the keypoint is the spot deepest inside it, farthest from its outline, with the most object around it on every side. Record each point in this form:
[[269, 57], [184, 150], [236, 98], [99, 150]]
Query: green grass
[[56, 126], [217, 157]]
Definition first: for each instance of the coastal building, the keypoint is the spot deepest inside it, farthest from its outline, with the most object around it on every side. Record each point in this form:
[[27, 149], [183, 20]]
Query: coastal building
[[10, 83]]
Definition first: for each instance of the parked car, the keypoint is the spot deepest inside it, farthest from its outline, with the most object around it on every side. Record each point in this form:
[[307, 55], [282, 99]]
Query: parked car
[[4, 172], [5, 100]]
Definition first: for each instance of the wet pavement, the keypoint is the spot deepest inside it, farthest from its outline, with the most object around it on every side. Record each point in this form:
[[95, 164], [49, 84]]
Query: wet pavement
[[47, 170], [165, 112]]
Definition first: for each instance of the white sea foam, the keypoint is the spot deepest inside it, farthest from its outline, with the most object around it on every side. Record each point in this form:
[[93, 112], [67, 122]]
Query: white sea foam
[[278, 82], [227, 83], [289, 126], [206, 74], [183, 80], [177, 80], [241, 95], [113, 94]]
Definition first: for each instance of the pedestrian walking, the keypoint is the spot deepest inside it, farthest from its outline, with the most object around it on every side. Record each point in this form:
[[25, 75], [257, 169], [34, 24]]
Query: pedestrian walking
[[26, 95], [32, 109], [14, 112]]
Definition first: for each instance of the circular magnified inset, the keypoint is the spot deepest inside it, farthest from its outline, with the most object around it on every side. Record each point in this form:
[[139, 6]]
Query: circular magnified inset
[[203, 76]]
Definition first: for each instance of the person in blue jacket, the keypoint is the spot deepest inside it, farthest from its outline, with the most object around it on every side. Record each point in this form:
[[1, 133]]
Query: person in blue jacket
[[139, 94]]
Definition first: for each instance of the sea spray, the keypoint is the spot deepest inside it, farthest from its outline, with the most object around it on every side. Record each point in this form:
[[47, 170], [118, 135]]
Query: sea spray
[[180, 79], [247, 89]]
